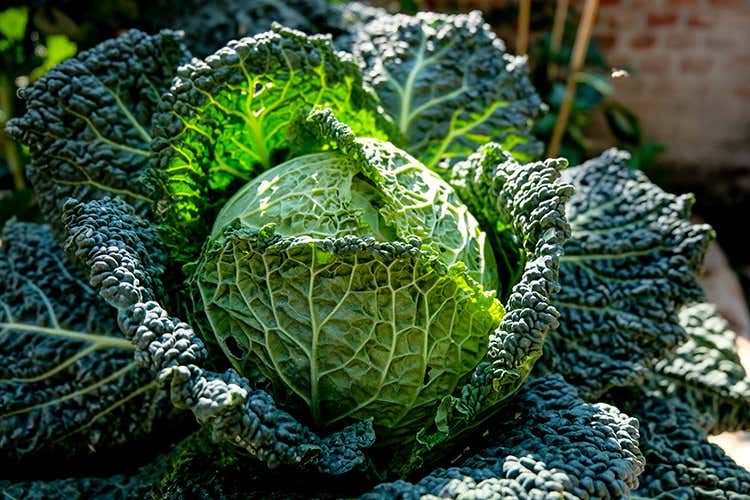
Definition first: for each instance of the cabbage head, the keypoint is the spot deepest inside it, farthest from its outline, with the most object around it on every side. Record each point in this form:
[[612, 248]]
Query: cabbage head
[[352, 286]]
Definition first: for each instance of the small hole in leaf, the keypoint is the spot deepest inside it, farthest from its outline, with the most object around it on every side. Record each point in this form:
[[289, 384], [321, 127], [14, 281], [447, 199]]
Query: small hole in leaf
[[234, 347], [427, 375]]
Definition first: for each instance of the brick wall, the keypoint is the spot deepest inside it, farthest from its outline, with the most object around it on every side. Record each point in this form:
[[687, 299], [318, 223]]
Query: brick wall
[[690, 82]]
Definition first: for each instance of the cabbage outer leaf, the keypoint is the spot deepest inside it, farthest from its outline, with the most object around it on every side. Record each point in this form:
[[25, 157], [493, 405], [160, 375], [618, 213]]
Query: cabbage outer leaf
[[525, 204], [448, 83], [548, 444], [680, 462], [68, 381], [118, 487], [385, 314], [226, 119], [88, 122], [624, 273], [208, 26], [706, 373]]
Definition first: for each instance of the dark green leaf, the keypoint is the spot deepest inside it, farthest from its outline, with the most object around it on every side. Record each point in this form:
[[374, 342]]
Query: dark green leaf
[[449, 85], [706, 372], [623, 123], [68, 379], [550, 444], [625, 272], [680, 462], [88, 122]]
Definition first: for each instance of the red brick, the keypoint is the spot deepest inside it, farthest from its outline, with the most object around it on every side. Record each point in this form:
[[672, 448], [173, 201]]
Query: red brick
[[621, 17], [606, 42], [604, 3], [725, 2], [644, 41], [682, 2], [657, 19], [743, 91], [697, 20]]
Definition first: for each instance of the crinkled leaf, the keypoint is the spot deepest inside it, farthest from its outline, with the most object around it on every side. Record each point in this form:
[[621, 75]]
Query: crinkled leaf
[[118, 487], [448, 83], [371, 190], [523, 208], [227, 119], [88, 121], [624, 273], [68, 380], [118, 249], [549, 444], [680, 462], [196, 467], [208, 26], [706, 373]]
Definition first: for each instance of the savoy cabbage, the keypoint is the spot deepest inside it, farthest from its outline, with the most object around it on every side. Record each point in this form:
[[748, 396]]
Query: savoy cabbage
[[317, 254]]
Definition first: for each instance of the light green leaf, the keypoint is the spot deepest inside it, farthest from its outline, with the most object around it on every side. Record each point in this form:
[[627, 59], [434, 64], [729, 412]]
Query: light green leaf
[[228, 118], [369, 333], [13, 22], [353, 282]]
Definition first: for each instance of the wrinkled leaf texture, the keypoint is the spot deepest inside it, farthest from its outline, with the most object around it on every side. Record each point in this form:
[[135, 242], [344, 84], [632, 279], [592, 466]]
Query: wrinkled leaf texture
[[547, 443], [68, 382], [627, 269], [118, 248], [406, 319], [88, 122], [706, 372], [226, 119], [680, 462], [448, 83]]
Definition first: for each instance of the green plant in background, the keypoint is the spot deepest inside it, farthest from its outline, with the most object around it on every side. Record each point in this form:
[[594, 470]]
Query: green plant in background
[[25, 55], [594, 93]]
